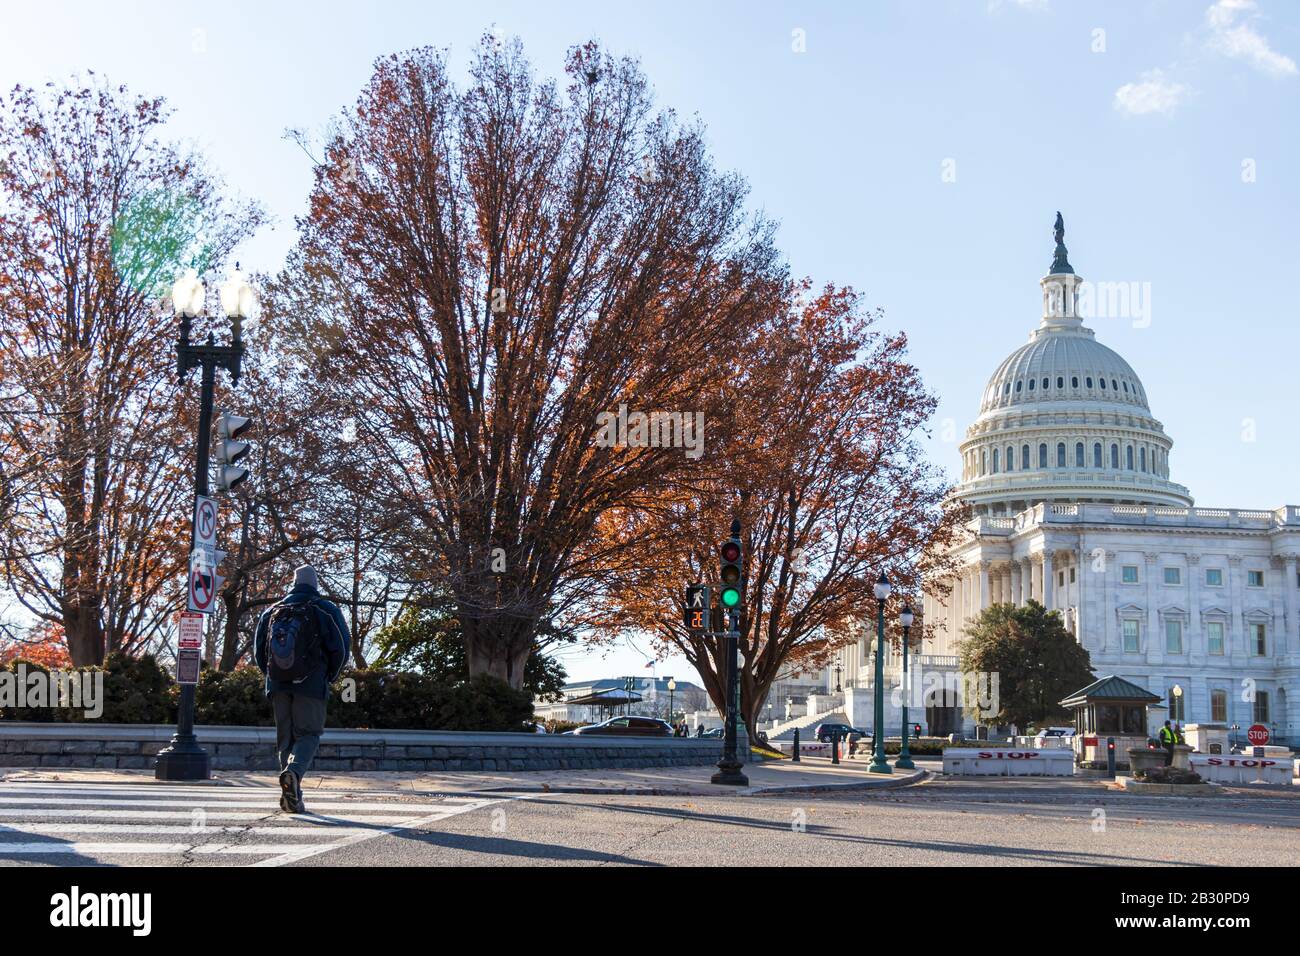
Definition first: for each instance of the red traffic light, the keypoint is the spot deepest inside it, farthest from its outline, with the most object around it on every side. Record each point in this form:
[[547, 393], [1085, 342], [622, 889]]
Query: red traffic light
[[730, 551]]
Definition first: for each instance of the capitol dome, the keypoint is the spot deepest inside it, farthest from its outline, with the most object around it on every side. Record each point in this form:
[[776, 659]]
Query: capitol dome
[[1064, 419]]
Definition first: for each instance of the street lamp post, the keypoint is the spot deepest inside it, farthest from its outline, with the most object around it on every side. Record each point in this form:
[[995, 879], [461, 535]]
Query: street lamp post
[[183, 758], [878, 762], [838, 669], [672, 686], [905, 618]]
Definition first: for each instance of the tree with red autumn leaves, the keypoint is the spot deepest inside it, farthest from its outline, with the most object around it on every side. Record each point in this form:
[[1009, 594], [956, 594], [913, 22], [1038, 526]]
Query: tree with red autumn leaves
[[483, 274], [98, 215], [820, 463]]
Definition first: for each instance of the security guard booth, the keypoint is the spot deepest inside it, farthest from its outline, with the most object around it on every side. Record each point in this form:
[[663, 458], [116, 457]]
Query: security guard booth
[[1110, 707]]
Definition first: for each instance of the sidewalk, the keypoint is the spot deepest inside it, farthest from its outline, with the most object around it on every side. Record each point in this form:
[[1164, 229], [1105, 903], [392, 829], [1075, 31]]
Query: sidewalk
[[769, 777]]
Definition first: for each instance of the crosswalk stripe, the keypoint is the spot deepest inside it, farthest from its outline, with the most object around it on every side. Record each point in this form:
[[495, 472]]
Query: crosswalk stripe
[[301, 853], [270, 801], [37, 818], [181, 814], [132, 849], [52, 829]]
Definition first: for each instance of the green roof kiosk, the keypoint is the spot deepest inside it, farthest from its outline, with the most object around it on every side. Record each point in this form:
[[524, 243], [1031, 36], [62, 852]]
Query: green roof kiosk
[[1109, 707]]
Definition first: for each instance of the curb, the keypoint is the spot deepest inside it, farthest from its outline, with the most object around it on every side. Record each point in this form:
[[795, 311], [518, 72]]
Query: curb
[[873, 784]]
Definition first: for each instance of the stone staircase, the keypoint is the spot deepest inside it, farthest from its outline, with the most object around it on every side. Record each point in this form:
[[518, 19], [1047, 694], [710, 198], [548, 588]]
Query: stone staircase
[[805, 725]]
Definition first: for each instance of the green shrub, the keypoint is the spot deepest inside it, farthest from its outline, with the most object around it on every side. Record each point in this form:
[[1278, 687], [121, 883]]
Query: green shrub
[[235, 697], [485, 703], [137, 690]]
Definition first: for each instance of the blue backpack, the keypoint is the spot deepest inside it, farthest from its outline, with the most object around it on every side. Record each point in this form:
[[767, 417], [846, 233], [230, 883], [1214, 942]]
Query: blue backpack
[[294, 642]]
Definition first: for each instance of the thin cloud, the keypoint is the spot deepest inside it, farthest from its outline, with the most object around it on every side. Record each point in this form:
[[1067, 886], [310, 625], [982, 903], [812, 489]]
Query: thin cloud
[[1232, 33], [1153, 93]]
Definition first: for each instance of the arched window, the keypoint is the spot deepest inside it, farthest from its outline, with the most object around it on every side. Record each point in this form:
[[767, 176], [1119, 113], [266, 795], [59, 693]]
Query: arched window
[[1078, 455], [1011, 458], [1006, 389], [1018, 384], [1114, 456], [1143, 456], [995, 461], [1089, 381], [1060, 381], [1042, 455], [1032, 383], [1114, 385], [1096, 455], [1126, 387], [1047, 383], [1074, 381], [1103, 383], [1060, 454], [1024, 457], [1128, 457], [984, 461]]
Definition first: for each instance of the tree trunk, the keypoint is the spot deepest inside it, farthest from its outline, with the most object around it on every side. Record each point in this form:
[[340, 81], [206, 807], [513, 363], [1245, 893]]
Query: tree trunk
[[501, 655]]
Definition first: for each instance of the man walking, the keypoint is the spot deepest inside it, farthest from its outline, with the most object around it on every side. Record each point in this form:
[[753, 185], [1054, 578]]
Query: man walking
[[1167, 740], [301, 645]]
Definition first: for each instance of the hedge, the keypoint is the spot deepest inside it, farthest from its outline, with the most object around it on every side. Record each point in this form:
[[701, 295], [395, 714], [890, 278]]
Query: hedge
[[141, 691]]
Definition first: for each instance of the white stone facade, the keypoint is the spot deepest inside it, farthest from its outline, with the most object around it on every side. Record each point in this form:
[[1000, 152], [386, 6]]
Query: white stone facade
[[1087, 521]]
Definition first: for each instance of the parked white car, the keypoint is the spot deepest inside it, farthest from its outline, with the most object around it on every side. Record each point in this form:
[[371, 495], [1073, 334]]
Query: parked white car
[[1054, 737]]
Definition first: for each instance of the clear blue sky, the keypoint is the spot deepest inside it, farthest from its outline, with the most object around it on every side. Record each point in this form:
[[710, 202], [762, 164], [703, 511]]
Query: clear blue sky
[[1137, 134]]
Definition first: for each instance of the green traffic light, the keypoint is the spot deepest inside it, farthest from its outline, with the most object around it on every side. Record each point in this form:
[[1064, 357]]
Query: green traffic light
[[730, 597]]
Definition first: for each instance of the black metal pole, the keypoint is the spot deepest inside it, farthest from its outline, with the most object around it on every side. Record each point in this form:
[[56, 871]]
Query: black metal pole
[[184, 759], [729, 766], [795, 758]]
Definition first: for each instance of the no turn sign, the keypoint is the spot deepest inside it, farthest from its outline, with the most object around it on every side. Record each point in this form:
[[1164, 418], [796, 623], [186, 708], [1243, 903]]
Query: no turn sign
[[202, 588]]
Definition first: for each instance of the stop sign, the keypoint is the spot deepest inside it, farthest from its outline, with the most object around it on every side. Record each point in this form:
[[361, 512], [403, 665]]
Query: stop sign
[[1257, 735]]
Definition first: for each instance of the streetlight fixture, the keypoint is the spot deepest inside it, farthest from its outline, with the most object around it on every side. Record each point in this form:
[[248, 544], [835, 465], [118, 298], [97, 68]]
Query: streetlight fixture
[[183, 758], [838, 689], [672, 686], [905, 618], [878, 762]]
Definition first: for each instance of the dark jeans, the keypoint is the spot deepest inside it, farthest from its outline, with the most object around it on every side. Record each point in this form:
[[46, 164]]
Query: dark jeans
[[299, 722], [1169, 754]]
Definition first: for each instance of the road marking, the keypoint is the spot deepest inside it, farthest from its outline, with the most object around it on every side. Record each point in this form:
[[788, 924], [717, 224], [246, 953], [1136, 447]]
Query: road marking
[[270, 801], [339, 819], [302, 853]]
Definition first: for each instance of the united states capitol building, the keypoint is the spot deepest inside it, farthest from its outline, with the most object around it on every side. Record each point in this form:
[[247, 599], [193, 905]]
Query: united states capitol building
[[1068, 473]]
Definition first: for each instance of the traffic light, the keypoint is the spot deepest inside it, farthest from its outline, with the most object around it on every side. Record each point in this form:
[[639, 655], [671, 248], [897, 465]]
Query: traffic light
[[230, 450], [731, 556]]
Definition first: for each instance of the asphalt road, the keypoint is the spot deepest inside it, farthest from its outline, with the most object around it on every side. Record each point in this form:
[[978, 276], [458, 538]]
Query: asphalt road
[[1015, 822]]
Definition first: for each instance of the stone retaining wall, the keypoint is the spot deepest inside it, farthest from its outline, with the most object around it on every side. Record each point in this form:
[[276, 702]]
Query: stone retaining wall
[[133, 746]]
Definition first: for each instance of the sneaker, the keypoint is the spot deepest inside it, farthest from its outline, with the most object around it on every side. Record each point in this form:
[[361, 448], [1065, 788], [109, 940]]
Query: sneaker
[[289, 791]]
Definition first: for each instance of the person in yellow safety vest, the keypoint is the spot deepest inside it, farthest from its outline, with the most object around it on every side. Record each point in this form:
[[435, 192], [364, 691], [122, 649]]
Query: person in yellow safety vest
[[1167, 740]]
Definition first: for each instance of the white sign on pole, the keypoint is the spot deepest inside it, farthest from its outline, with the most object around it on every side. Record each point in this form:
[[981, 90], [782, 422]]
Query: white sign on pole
[[191, 630], [205, 523], [201, 588]]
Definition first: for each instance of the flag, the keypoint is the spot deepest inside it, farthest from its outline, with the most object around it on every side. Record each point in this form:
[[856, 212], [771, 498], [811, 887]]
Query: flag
[[649, 663]]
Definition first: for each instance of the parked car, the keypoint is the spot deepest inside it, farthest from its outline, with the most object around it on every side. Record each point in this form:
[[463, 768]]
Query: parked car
[[1054, 737], [825, 733], [629, 727], [716, 732]]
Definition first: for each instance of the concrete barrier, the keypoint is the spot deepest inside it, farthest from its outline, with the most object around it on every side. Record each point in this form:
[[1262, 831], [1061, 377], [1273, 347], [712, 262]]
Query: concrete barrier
[[134, 746], [1007, 762], [1240, 768]]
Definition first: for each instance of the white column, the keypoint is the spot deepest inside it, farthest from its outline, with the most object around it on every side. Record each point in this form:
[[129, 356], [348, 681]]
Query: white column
[[1015, 583], [1289, 589], [1047, 578], [984, 584]]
